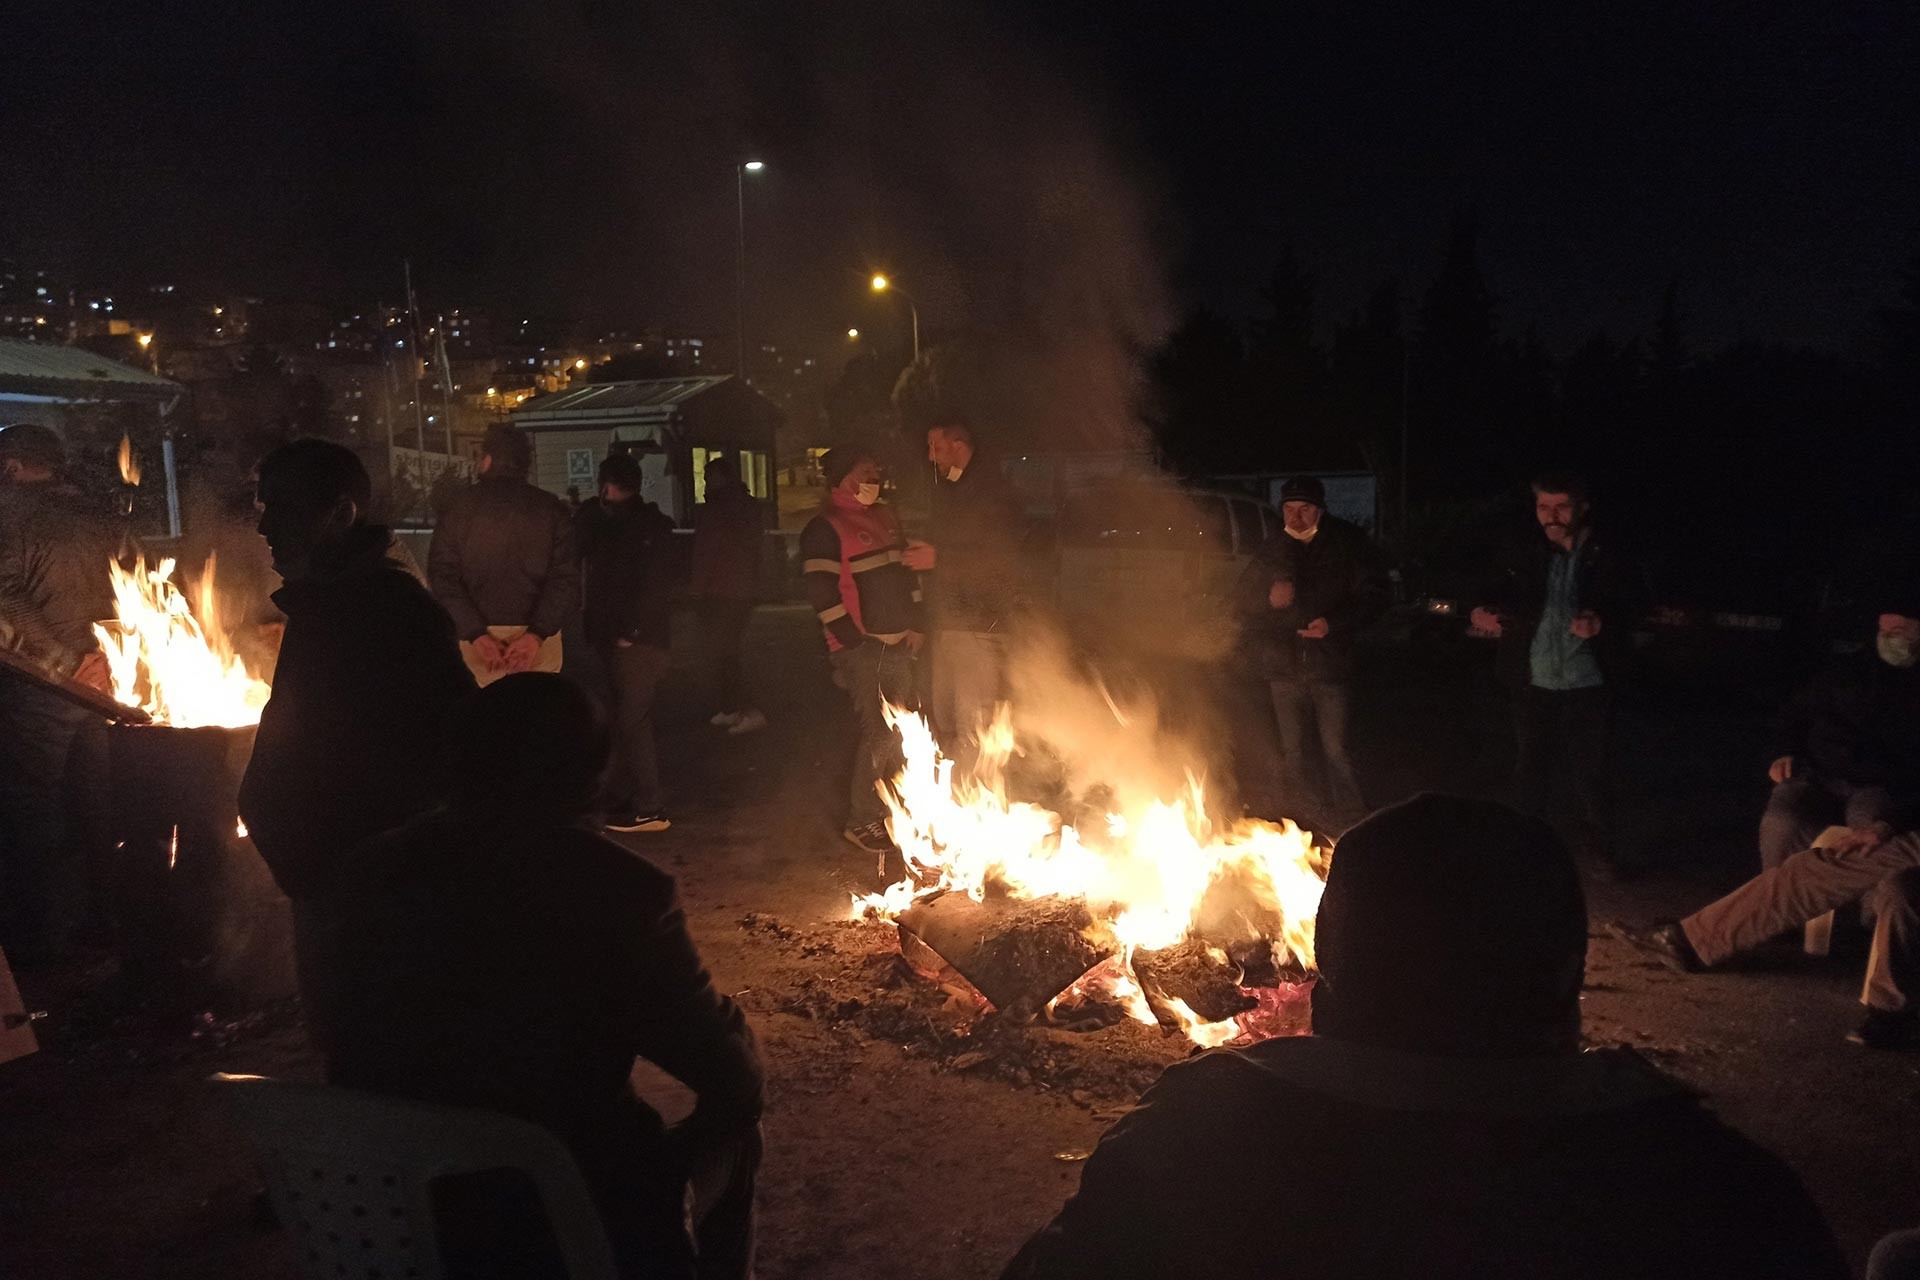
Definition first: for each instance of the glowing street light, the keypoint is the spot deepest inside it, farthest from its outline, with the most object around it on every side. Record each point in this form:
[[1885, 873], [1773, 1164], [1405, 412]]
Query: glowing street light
[[754, 166], [580, 363], [883, 285], [146, 340], [854, 334]]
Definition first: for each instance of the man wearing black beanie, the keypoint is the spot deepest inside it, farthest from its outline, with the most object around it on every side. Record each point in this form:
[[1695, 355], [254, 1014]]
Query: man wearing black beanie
[[1442, 1120]]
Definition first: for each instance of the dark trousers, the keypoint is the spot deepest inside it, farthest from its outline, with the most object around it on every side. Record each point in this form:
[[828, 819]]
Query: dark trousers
[[670, 1213], [873, 673], [723, 624], [634, 673], [1313, 717], [53, 802], [1564, 738]]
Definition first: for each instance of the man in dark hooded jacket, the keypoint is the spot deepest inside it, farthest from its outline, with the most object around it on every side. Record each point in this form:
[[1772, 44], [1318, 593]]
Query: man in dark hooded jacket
[[354, 738], [1442, 1121]]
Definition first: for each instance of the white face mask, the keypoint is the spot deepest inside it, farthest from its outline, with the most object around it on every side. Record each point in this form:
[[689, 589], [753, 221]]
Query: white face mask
[[954, 473], [866, 494], [1895, 650]]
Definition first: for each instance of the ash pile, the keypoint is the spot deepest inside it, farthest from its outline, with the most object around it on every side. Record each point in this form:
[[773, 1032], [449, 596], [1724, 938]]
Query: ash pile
[[1018, 990]]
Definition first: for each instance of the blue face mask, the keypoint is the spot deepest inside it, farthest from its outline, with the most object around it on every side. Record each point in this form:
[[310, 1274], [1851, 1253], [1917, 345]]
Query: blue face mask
[[1895, 650]]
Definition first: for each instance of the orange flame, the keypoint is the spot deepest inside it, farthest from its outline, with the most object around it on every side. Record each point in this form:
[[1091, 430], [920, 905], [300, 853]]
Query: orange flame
[[1143, 877], [129, 464], [172, 659]]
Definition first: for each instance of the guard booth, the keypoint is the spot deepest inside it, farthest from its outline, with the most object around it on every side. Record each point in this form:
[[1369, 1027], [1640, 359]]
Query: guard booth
[[94, 404], [673, 425]]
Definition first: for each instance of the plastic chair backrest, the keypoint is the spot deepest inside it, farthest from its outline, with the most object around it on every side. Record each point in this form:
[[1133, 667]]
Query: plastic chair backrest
[[349, 1176]]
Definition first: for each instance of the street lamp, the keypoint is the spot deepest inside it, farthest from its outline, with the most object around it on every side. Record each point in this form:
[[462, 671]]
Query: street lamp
[[740, 172], [883, 285], [854, 334]]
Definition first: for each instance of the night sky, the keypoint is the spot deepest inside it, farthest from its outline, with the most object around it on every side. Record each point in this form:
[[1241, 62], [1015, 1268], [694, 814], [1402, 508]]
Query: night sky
[[1037, 167]]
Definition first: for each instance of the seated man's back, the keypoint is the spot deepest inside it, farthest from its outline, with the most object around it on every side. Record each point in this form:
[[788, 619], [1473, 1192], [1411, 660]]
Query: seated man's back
[[1442, 1121], [503, 955], [1312, 1157]]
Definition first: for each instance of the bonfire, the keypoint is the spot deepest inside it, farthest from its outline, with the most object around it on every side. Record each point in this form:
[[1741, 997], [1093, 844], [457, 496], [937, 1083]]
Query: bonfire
[[171, 657], [1145, 902]]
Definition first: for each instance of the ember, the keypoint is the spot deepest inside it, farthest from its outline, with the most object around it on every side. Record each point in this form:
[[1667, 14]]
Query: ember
[[1201, 927]]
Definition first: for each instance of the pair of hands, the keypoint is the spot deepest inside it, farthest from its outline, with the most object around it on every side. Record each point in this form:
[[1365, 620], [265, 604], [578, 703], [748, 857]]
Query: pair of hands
[[1585, 624], [517, 655], [919, 556], [1280, 596]]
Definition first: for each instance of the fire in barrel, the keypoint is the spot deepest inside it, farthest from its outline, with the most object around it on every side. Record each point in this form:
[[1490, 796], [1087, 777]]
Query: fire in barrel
[[198, 912], [1144, 904]]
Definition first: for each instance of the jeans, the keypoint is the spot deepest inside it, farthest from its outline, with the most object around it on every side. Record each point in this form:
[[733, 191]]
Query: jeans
[[723, 624], [633, 778], [53, 809], [1564, 737], [1801, 807], [1813, 882], [871, 673], [1313, 717], [969, 672]]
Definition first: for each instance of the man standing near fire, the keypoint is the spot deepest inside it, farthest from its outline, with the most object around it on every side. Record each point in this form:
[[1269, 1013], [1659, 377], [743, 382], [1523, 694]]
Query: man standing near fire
[[1325, 583], [54, 549], [975, 581], [856, 578], [353, 740], [1561, 612], [503, 563], [627, 618]]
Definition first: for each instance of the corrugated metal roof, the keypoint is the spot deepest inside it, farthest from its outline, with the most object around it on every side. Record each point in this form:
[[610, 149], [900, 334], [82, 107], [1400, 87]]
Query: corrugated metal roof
[[41, 368], [654, 397]]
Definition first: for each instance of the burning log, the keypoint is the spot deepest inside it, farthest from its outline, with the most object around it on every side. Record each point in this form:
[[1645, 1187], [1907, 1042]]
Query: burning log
[[199, 917], [1193, 971], [1018, 954]]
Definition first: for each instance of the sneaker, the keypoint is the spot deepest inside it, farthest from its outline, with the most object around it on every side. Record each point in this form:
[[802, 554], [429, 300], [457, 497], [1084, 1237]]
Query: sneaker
[[1665, 942], [631, 821], [748, 722], [1885, 1029], [724, 719]]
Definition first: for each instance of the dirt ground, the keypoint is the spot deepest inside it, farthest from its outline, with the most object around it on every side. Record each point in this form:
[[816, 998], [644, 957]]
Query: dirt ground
[[896, 1147]]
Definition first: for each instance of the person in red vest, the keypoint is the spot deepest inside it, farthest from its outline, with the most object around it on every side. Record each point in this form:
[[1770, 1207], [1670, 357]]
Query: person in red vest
[[869, 605]]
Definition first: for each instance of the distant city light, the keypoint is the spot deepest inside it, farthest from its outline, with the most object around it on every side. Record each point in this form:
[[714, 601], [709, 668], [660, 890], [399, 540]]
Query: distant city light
[[754, 166], [493, 391], [853, 333], [580, 364], [879, 283], [146, 339]]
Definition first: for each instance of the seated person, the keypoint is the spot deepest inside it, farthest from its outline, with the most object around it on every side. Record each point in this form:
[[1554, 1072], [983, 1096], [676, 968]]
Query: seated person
[[503, 954], [1858, 866], [1849, 747], [1442, 1120]]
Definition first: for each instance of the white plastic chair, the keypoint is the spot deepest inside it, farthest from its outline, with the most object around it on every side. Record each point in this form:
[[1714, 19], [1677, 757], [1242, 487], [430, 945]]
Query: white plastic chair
[[349, 1174]]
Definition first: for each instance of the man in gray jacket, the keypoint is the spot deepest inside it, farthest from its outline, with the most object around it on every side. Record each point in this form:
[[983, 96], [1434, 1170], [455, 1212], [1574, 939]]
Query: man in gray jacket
[[502, 562]]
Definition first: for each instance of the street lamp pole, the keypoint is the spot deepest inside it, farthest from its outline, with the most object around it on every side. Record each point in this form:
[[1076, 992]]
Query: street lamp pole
[[881, 284], [740, 172]]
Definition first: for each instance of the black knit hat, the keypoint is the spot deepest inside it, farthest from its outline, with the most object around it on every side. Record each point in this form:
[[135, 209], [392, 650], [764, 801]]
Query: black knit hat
[[1452, 926], [1304, 489], [836, 464]]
